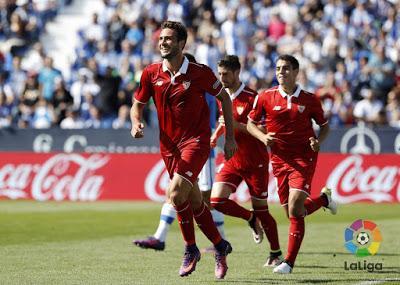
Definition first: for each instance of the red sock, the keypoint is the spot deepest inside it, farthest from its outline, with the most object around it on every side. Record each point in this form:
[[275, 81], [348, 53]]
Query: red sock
[[185, 219], [313, 204], [230, 208], [206, 224], [269, 225], [296, 234]]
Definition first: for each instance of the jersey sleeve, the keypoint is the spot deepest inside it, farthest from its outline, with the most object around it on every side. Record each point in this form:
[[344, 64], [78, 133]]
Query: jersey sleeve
[[317, 113], [210, 82], [145, 91], [257, 114]]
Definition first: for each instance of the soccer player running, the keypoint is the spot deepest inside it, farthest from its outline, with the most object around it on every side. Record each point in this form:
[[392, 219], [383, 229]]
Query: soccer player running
[[178, 89], [206, 179], [288, 112], [249, 163]]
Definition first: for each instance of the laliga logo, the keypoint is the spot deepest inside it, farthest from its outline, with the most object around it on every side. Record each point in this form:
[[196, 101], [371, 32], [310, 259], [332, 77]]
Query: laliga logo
[[362, 238], [360, 147]]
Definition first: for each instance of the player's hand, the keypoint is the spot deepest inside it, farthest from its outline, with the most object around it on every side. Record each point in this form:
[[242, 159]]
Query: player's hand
[[221, 120], [268, 139], [213, 141], [314, 144], [137, 130], [230, 148]]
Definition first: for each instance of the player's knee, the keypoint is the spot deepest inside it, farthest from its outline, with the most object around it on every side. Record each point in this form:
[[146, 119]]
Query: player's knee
[[196, 204], [296, 212], [175, 198], [259, 204], [217, 203]]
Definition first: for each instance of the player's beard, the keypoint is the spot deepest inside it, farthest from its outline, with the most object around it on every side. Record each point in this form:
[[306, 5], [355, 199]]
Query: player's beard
[[171, 54]]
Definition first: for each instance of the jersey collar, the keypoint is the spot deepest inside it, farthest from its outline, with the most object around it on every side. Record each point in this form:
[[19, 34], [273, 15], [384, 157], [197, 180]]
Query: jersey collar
[[182, 70], [234, 95], [284, 94]]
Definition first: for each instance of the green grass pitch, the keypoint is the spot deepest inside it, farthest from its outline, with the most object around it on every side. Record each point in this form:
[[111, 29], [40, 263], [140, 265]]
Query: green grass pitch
[[90, 243]]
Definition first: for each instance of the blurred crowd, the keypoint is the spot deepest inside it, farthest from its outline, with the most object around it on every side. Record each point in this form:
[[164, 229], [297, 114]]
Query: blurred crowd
[[349, 54]]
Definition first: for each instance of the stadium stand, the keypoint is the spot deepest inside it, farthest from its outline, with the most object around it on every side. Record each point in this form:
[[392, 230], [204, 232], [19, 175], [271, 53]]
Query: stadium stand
[[349, 51]]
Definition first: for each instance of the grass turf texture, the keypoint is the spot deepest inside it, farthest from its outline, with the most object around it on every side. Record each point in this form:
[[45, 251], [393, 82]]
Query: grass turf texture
[[90, 243]]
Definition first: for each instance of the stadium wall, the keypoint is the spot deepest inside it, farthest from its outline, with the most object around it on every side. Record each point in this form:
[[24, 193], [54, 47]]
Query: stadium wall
[[362, 165]]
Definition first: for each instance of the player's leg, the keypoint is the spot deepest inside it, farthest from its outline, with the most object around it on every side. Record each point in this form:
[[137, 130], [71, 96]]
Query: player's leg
[[168, 215], [299, 182], [157, 241], [206, 180], [323, 200], [189, 166], [257, 181], [227, 181], [178, 193]]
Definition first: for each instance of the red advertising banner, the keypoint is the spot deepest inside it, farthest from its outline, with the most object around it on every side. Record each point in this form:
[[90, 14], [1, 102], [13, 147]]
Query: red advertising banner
[[91, 177]]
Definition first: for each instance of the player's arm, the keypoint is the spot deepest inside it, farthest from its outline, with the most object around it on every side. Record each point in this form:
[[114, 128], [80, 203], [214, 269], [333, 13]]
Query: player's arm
[[315, 143], [318, 116], [216, 134], [230, 144], [259, 133], [136, 119]]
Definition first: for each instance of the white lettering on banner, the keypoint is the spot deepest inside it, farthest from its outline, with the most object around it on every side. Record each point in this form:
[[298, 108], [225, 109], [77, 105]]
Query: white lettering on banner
[[372, 183], [157, 181], [42, 143], [61, 177], [70, 142]]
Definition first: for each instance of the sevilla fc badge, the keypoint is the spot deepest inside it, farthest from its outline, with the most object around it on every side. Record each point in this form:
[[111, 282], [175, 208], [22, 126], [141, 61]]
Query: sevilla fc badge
[[301, 108], [240, 109], [186, 84]]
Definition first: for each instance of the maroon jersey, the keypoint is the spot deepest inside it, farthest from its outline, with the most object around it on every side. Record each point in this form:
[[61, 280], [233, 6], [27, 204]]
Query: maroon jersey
[[290, 118], [182, 110], [251, 152]]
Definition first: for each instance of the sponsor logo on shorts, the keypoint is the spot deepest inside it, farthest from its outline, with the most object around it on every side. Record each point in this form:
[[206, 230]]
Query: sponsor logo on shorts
[[277, 108], [159, 83], [189, 173]]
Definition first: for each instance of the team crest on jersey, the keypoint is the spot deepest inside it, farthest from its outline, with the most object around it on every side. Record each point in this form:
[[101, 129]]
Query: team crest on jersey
[[186, 84], [239, 109], [301, 108]]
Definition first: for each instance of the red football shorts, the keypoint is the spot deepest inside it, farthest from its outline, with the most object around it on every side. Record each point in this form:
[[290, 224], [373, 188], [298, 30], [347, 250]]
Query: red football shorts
[[294, 174], [187, 161], [256, 179]]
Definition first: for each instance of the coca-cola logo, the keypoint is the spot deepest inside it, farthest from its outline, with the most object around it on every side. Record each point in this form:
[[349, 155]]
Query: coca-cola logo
[[157, 181], [352, 181], [61, 177]]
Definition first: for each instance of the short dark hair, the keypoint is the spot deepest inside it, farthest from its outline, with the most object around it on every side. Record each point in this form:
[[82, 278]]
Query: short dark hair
[[290, 58], [230, 62], [190, 57], [178, 27]]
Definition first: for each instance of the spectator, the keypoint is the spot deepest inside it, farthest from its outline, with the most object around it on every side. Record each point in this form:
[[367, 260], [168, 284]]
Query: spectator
[[358, 41], [393, 108], [369, 110], [47, 78], [72, 120], [6, 110]]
